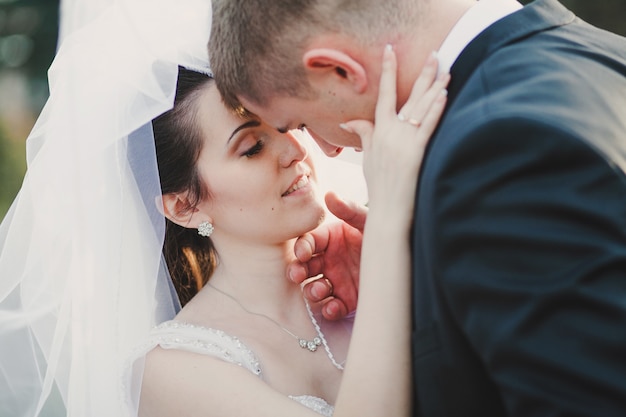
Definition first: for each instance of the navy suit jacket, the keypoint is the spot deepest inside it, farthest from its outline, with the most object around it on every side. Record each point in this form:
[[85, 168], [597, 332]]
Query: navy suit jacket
[[519, 239]]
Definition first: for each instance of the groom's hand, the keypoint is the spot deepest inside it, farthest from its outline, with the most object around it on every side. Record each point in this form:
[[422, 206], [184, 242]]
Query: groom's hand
[[334, 251]]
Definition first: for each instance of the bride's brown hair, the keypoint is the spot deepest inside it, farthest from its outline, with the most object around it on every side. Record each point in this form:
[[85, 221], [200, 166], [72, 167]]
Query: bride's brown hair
[[178, 140]]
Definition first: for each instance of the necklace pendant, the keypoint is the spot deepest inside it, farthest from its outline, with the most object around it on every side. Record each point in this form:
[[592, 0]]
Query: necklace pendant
[[312, 345]]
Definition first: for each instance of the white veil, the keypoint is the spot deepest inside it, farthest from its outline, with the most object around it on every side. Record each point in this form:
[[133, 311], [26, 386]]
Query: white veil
[[81, 276]]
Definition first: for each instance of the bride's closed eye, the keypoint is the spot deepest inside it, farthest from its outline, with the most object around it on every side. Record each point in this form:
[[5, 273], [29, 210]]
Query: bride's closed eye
[[255, 149]]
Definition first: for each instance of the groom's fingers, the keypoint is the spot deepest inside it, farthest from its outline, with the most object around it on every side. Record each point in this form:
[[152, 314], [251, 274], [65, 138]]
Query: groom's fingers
[[298, 271], [318, 289], [307, 264], [311, 243], [334, 309], [348, 211]]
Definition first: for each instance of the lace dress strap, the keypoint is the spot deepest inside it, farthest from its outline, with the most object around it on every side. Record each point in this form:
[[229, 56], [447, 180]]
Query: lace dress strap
[[204, 340]]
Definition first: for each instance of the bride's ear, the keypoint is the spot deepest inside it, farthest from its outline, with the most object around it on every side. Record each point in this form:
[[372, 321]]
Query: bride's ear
[[178, 209], [332, 65]]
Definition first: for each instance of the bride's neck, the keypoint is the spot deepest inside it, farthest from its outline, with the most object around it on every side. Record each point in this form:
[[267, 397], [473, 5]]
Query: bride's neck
[[254, 271]]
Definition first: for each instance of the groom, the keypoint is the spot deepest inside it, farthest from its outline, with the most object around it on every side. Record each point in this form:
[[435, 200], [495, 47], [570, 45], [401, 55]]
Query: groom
[[519, 243]]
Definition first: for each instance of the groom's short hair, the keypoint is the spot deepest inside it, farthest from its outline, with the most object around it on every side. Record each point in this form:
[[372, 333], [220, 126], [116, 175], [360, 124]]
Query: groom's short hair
[[256, 45]]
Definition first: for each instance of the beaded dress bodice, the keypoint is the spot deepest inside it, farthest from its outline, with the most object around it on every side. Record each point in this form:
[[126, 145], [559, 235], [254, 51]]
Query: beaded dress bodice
[[207, 341]]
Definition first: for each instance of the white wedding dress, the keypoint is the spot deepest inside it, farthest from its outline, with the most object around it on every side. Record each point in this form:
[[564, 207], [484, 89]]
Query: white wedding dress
[[207, 341]]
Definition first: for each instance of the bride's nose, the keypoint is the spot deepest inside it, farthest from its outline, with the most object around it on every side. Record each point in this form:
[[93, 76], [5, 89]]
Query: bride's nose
[[293, 150]]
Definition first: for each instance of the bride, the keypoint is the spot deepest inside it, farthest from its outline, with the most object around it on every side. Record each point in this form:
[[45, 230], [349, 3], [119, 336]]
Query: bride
[[83, 280], [237, 194]]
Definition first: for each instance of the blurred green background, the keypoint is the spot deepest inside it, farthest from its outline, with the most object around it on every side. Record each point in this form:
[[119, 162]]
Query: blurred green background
[[28, 34]]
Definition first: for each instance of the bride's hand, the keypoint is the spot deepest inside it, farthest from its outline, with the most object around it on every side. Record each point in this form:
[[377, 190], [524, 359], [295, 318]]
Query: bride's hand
[[394, 146]]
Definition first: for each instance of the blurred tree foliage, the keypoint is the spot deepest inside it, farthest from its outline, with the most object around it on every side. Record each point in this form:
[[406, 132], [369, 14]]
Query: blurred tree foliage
[[11, 171], [28, 36], [35, 20]]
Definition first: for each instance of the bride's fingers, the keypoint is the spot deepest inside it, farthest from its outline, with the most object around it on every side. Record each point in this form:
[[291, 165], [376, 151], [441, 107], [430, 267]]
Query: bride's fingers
[[386, 104], [421, 85], [420, 109], [434, 112], [363, 128], [426, 103]]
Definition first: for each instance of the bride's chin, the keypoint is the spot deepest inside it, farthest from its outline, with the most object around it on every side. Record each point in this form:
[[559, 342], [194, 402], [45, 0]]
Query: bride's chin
[[321, 218], [313, 222]]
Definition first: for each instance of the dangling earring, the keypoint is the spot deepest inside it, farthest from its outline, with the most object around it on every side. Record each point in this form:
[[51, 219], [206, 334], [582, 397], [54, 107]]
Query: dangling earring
[[205, 229]]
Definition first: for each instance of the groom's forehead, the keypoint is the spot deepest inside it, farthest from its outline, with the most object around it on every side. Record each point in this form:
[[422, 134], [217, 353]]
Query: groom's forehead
[[277, 111]]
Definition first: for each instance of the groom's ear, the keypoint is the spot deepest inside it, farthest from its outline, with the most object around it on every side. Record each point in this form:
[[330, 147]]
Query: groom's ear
[[331, 65]]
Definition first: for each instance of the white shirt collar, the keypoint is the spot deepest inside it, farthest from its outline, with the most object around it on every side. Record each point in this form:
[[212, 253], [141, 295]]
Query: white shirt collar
[[471, 24]]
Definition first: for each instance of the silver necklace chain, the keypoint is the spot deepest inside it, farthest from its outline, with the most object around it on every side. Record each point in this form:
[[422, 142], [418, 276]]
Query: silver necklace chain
[[311, 345], [321, 336]]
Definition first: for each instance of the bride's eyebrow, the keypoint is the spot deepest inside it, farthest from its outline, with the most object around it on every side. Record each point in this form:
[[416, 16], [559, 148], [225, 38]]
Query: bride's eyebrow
[[246, 125]]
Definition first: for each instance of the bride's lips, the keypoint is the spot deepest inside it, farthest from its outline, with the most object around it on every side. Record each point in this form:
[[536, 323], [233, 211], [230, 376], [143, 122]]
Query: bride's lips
[[300, 182]]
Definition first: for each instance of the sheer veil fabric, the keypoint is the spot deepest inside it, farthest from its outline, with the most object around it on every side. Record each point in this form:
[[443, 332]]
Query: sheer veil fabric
[[82, 281], [81, 276]]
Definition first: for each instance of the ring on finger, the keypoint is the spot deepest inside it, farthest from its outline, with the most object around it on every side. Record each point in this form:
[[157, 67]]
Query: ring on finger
[[414, 122], [330, 287], [410, 120]]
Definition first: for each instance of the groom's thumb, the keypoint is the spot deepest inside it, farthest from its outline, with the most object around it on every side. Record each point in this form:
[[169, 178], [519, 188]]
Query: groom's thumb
[[348, 211]]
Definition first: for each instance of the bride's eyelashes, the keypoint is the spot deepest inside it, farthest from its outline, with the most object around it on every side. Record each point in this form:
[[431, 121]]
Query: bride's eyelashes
[[258, 147]]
